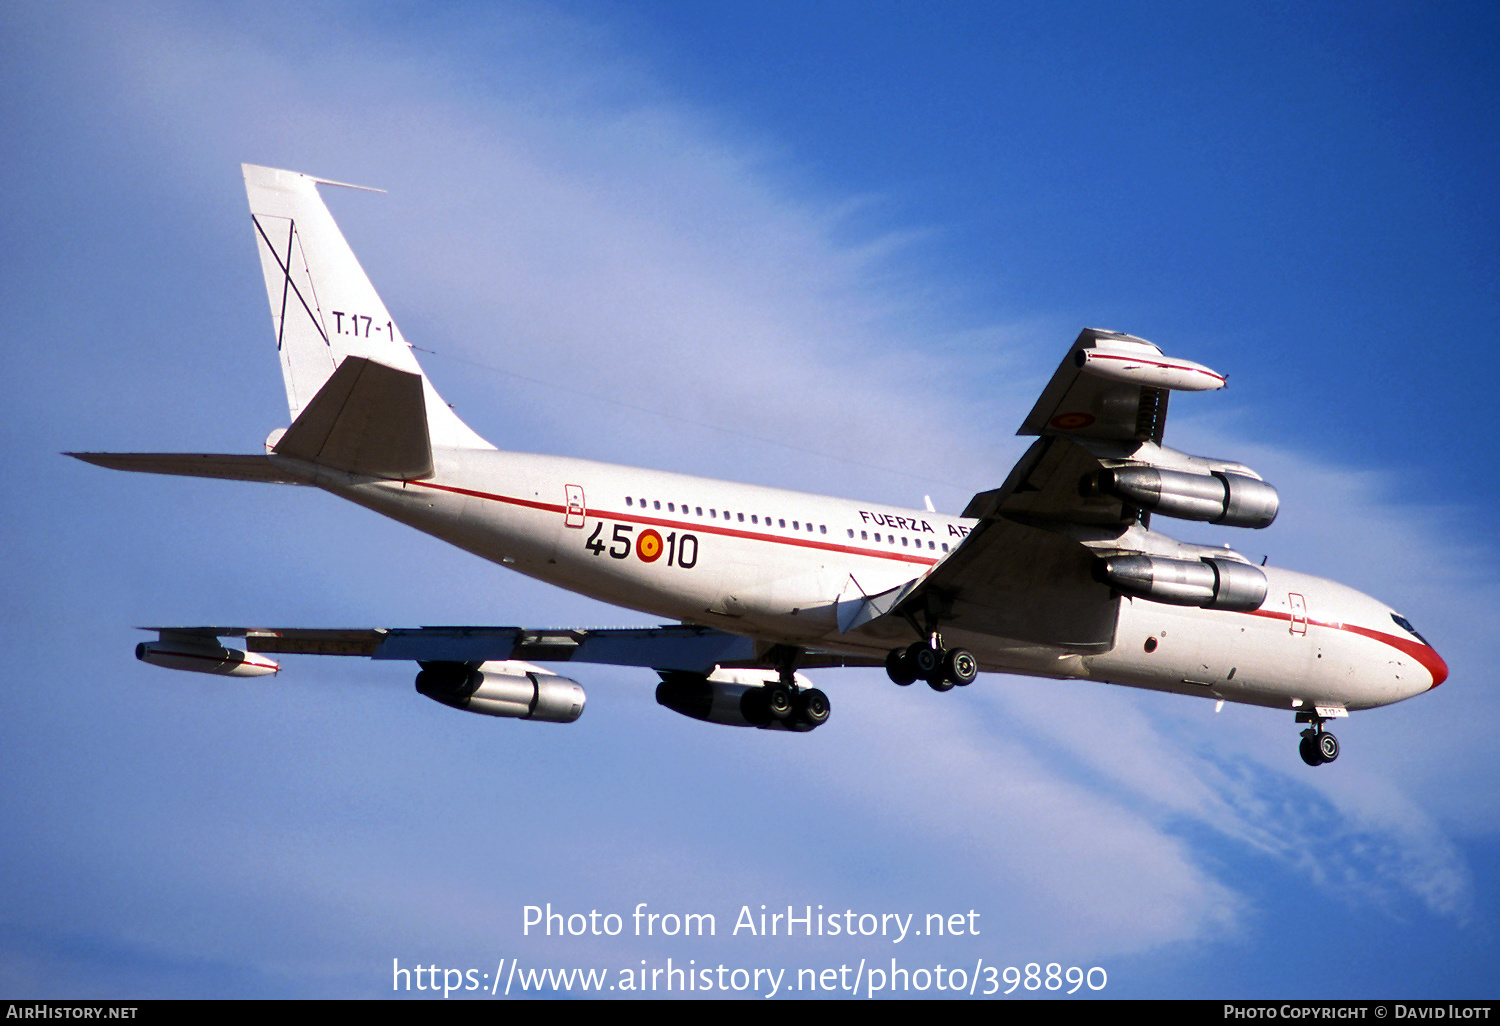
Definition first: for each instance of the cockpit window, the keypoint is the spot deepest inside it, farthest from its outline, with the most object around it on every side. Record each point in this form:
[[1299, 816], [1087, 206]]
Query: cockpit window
[[1406, 626]]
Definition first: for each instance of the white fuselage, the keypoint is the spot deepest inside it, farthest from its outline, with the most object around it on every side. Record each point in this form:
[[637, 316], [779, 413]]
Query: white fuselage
[[774, 565]]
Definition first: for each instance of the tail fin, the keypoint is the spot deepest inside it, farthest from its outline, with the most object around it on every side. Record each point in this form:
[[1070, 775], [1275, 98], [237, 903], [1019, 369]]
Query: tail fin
[[323, 307]]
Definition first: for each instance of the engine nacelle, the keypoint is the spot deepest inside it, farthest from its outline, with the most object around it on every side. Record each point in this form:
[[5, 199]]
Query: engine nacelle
[[512, 688], [1210, 583], [735, 698], [204, 655], [1233, 500]]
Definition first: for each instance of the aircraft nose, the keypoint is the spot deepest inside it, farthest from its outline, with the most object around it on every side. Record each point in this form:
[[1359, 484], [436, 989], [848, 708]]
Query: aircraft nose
[[1436, 666]]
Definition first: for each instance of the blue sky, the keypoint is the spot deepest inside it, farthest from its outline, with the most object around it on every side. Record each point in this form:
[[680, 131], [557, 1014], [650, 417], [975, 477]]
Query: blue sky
[[837, 249]]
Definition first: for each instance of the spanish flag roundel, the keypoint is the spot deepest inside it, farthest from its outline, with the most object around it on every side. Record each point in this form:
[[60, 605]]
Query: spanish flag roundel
[[648, 546]]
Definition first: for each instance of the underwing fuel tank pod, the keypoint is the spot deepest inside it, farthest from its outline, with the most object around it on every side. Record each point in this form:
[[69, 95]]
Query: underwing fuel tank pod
[[1122, 359], [203, 655], [1057, 572]]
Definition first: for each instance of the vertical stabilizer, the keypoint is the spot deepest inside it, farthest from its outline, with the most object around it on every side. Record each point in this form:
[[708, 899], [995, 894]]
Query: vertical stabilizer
[[323, 307]]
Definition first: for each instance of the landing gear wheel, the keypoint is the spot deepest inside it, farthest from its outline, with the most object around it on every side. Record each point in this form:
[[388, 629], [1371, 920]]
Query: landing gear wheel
[[937, 682], [1318, 747], [899, 668], [925, 659], [780, 702], [960, 667], [1328, 747], [813, 707], [1308, 749]]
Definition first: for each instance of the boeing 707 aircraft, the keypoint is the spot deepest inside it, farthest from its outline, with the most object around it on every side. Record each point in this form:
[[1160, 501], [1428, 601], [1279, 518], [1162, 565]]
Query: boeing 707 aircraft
[[1056, 573]]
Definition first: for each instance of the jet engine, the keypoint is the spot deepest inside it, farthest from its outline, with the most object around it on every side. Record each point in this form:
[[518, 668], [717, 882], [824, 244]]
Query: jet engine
[[510, 688], [1233, 500], [741, 698], [1210, 583]]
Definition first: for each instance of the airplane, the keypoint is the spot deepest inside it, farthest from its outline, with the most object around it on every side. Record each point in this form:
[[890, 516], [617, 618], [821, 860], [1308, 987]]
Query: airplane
[[1057, 573]]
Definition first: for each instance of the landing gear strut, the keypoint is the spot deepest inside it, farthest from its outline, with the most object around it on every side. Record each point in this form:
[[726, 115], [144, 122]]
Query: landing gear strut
[[796, 708], [927, 660], [1318, 746]]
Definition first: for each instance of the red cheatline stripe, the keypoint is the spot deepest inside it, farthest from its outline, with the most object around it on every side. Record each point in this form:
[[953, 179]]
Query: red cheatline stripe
[[1095, 355], [1424, 654], [248, 660], [684, 525]]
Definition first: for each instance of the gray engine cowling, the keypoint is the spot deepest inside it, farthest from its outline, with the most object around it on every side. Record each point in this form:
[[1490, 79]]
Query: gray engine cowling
[[735, 698], [1209, 583], [1233, 500], [511, 689]]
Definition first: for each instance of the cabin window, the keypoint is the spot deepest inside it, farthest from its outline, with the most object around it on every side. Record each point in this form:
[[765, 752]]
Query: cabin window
[[627, 500], [656, 504], [781, 522], [863, 536], [822, 528], [740, 517], [699, 509]]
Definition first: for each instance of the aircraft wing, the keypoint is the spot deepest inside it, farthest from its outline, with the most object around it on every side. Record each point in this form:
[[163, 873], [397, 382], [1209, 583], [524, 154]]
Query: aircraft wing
[[1085, 490], [671, 647]]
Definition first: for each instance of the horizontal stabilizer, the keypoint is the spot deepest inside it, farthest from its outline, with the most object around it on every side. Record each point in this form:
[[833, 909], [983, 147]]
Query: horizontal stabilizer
[[366, 419], [192, 464]]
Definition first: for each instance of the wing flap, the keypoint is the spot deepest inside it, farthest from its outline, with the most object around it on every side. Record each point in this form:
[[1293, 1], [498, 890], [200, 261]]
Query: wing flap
[[662, 648], [1018, 582]]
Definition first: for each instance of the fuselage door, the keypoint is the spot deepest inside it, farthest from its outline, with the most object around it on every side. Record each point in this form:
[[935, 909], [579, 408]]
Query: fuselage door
[[576, 510], [1298, 606]]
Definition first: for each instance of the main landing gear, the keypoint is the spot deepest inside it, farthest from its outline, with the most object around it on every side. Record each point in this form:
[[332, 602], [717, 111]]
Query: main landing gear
[[927, 660], [1318, 746], [796, 708]]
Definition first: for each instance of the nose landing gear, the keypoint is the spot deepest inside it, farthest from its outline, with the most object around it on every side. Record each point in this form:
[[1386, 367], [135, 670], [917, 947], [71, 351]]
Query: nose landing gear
[[1317, 746]]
